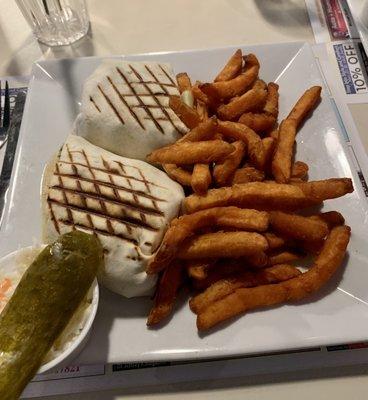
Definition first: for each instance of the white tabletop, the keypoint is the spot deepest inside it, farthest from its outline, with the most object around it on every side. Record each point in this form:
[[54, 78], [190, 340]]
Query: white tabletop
[[139, 26], [126, 26]]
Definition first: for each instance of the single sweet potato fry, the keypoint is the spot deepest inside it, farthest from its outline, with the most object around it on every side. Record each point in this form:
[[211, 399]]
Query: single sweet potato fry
[[179, 174], [205, 130], [201, 178], [283, 256], [275, 241], [332, 218], [250, 60], [198, 94], [271, 195], [240, 218], [198, 269], [224, 287], [237, 86], [272, 103], [237, 131], [168, 286], [260, 123], [305, 105], [297, 227], [281, 163], [183, 82], [224, 171], [232, 67], [259, 84], [222, 244], [260, 195], [203, 152], [252, 100], [269, 144], [248, 174], [299, 170], [187, 114], [282, 158], [298, 288], [326, 189], [214, 99]]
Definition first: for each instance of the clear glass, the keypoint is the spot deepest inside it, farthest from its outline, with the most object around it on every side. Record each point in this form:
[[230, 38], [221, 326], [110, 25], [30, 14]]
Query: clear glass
[[56, 22]]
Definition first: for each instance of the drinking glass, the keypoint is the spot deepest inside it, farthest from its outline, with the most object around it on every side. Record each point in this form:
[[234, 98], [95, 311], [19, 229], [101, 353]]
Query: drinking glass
[[56, 22]]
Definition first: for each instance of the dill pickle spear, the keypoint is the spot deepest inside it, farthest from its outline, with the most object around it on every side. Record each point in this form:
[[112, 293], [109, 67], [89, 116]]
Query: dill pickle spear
[[45, 299]]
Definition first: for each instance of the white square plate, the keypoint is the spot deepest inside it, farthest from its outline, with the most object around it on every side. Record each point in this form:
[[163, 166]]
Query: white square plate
[[339, 314]]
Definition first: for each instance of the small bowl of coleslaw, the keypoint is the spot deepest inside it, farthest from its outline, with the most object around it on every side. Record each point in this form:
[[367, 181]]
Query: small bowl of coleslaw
[[75, 335]]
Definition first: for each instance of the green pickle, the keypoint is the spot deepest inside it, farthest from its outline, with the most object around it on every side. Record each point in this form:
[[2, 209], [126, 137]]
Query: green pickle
[[46, 298]]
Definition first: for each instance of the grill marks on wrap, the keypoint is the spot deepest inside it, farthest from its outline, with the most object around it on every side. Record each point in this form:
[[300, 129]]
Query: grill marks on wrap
[[110, 103], [121, 97], [141, 98], [91, 99], [167, 75], [99, 231], [140, 101], [110, 184], [110, 171], [131, 223], [157, 101]]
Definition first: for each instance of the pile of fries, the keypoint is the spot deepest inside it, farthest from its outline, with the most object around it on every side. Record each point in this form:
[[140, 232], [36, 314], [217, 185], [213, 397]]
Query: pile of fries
[[243, 231]]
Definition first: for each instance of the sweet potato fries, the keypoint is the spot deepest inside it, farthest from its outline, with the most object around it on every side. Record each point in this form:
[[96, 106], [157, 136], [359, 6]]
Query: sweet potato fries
[[250, 213]]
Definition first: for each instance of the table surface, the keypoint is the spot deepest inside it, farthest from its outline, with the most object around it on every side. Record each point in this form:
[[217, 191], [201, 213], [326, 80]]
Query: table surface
[[126, 27]]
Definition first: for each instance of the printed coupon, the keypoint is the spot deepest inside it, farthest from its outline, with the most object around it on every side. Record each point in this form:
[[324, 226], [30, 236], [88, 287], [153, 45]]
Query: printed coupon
[[335, 19], [331, 20], [351, 66]]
